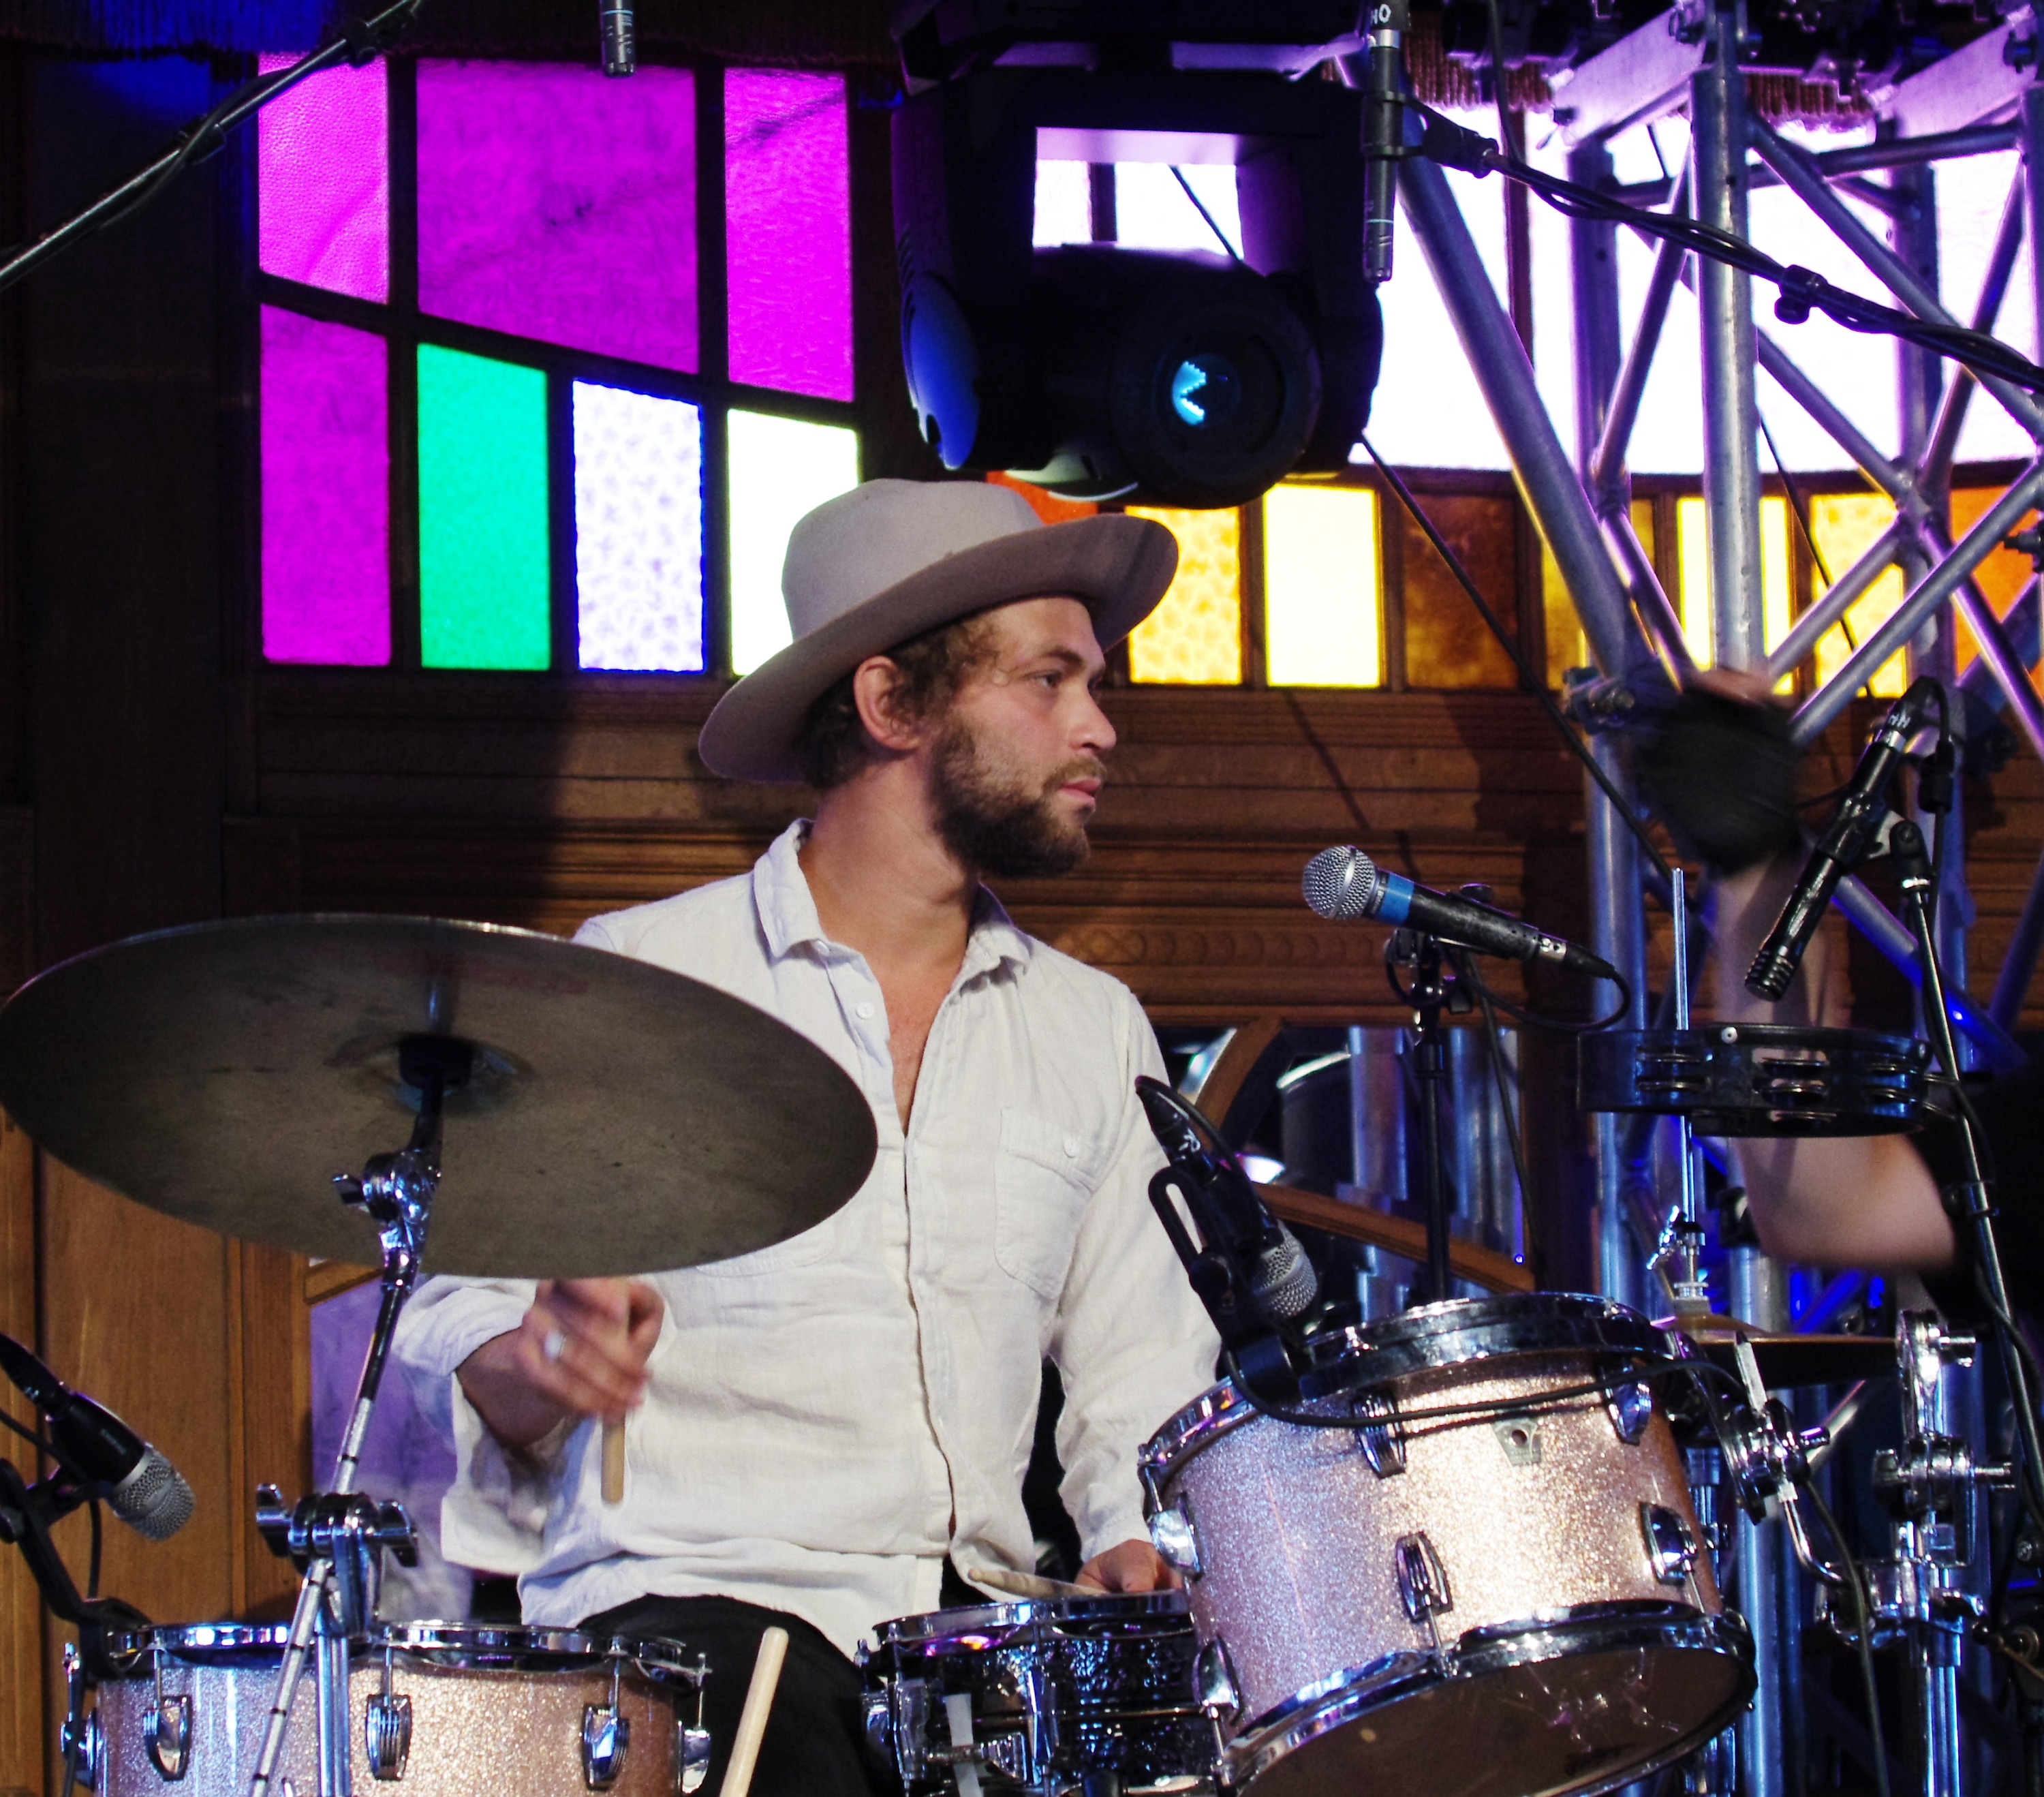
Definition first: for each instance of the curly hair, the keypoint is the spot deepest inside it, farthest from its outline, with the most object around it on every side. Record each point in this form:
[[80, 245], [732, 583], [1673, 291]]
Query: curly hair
[[832, 744]]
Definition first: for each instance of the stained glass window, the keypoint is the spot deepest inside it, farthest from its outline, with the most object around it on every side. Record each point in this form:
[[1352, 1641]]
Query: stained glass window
[[558, 204], [1194, 636], [1323, 626], [780, 468], [324, 173], [326, 493], [484, 575], [2001, 577], [558, 507], [791, 257], [1693, 600], [638, 506], [1844, 525]]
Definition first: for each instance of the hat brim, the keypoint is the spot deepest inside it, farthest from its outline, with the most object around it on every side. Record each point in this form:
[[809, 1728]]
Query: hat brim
[[1118, 567]]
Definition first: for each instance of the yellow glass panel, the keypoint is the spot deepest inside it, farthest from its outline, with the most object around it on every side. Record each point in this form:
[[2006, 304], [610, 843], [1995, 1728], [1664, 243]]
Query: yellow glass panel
[[2001, 577], [1567, 646], [1194, 637], [1692, 554], [1844, 525], [1322, 592]]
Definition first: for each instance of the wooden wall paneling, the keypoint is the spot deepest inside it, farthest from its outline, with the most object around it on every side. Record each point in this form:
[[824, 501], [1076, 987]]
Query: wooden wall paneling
[[21, 1694], [270, 1432]]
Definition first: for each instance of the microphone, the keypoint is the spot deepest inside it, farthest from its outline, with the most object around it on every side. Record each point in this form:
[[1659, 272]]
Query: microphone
[[1344, 884], [147, 1492], [1384, 131], [1843, 845], [1283, 1282], [621, 48]]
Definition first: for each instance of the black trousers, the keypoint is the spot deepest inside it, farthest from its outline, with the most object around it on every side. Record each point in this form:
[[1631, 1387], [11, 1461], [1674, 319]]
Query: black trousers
[[815, 1744]]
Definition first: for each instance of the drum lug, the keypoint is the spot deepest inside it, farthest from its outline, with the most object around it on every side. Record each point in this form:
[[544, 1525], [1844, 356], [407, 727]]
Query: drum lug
[[1422, 1582], [1379, 1436], [606, 1736], [1630, 1408], [1171, 1534], [387, 1727], [1519, 1438], [1214, 1676], [82, 1739], [691, 1758], [1671, 1543], [168, 1734]]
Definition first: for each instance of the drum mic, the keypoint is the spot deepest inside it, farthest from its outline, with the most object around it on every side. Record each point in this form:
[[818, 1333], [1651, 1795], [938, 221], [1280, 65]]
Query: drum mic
[[621, 48], [1259, 1254], [1344, 884], [143, 1489]]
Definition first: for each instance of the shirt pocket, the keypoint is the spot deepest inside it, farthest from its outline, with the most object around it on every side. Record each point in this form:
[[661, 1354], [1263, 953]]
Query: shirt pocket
[[1042, 1180]]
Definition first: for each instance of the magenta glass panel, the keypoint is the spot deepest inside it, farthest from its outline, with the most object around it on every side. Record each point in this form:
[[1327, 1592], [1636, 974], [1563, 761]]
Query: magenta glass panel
[[789, 228], [326, 493], [323, 173], [557, 203]]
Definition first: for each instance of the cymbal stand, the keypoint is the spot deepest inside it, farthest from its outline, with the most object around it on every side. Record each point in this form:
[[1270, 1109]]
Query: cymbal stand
[[1681, 1239], [337, 1537]]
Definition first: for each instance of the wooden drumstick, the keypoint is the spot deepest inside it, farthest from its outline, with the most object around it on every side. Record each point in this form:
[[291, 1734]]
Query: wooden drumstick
[[614, 1462], [752, 1718]]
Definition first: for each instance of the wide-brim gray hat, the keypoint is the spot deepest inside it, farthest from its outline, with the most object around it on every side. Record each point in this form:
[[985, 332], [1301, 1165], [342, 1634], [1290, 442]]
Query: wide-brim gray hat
[[891, 559]]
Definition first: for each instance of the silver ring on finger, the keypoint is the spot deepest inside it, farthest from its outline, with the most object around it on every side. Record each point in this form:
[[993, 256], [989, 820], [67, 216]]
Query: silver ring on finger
[[555, 1345]]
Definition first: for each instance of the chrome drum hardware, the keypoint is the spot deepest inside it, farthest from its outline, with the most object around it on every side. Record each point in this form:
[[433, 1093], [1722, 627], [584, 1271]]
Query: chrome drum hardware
[[1483, 1575], [1048, 1698], [446, 1710]]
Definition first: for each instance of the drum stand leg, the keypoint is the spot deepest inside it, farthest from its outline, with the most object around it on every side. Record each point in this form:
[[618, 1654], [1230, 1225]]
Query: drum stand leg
[[338, 1538], [1430, 1069]]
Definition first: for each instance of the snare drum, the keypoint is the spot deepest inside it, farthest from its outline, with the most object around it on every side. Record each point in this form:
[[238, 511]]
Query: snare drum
[[455, 1711], [1047, 1697], [1486, 1580]]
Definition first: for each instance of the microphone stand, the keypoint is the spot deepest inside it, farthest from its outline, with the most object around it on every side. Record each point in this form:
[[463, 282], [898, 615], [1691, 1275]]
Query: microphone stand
[[1429, 995]]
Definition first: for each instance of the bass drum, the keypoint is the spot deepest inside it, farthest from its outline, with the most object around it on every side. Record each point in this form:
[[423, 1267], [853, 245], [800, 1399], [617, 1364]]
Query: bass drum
[[1062, 1695], [1483, 1577], [454, 1711]]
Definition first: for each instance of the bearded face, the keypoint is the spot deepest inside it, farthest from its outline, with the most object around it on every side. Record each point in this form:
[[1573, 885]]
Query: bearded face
[[1001, 818]]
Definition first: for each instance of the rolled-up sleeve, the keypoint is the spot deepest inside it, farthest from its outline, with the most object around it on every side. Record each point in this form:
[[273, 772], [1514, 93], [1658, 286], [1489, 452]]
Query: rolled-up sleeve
[[1132, 1343], [493, 1516]]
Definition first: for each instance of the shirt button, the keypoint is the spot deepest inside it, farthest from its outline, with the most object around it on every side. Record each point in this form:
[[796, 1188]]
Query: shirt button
[[865, 1007], [1071, 1147]]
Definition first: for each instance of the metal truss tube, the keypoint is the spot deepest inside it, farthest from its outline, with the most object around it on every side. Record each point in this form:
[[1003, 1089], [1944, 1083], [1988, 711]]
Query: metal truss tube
[[1631, 386], [1546, 480], [1817, 711], [2031, 180], [2018, 625], [1724, 297], [1797, 174], [1890, 477], [1995, 649], [1888, 152], [1655, 611], [1944, 443], [1836, 601]]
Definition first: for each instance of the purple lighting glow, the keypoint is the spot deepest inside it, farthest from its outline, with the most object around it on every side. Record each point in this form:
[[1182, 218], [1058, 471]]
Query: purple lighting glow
[[789, 225], [323, 174], [326, 493], [557, 204]]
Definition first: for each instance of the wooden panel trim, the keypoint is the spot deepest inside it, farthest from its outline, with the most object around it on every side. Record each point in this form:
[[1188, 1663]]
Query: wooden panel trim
[[1482, 1266]]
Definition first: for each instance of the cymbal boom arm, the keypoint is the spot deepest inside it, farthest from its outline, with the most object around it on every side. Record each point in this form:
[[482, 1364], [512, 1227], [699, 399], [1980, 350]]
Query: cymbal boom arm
[[396, 1190]]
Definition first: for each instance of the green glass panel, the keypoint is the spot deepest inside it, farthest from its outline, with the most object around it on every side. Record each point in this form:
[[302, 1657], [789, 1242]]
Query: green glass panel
[[484, 574]]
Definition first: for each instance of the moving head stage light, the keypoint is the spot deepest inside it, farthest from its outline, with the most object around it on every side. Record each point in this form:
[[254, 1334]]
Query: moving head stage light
[[1192, 379]]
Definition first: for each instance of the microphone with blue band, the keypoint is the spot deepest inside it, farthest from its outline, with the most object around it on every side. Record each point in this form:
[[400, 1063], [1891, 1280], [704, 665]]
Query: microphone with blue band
[[1344, 885]]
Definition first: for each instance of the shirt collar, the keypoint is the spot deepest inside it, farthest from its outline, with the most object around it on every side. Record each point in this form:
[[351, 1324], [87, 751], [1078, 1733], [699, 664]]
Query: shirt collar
[[787, 912]]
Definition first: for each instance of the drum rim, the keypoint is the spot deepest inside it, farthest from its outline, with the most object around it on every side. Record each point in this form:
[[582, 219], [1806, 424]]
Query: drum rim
[[1336, 1700], [1018, 1613], [456, 1644], [196, 1640], [1461, 1331]]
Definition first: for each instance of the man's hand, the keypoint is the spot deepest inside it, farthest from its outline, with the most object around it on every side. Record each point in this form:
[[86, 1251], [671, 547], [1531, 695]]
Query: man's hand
[[581, 1350], [1131, 1567]]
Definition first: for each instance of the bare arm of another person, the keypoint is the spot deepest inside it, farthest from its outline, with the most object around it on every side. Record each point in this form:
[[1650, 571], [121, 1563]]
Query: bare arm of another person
[[1853, 1200], [602, 1333]]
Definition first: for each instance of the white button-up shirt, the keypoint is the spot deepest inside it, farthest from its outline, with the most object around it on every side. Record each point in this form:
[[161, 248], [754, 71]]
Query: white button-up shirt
[[827, 1419]]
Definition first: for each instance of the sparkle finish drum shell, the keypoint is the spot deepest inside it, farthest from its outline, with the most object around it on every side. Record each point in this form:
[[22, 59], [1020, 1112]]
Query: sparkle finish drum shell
[[494, 1712], [1489, 1582]]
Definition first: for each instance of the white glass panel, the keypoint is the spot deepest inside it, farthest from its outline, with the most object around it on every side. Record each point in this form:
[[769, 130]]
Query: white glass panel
[[780, 469], [638, 489], [1322, 610], [1064, 204]]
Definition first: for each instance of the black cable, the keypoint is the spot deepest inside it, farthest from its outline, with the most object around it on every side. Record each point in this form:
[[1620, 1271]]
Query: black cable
[[1535, 682], [1801, 290], [1200, 206], [1863, 1631], [1559, 1026], [42, 1447], [92, 1564]]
